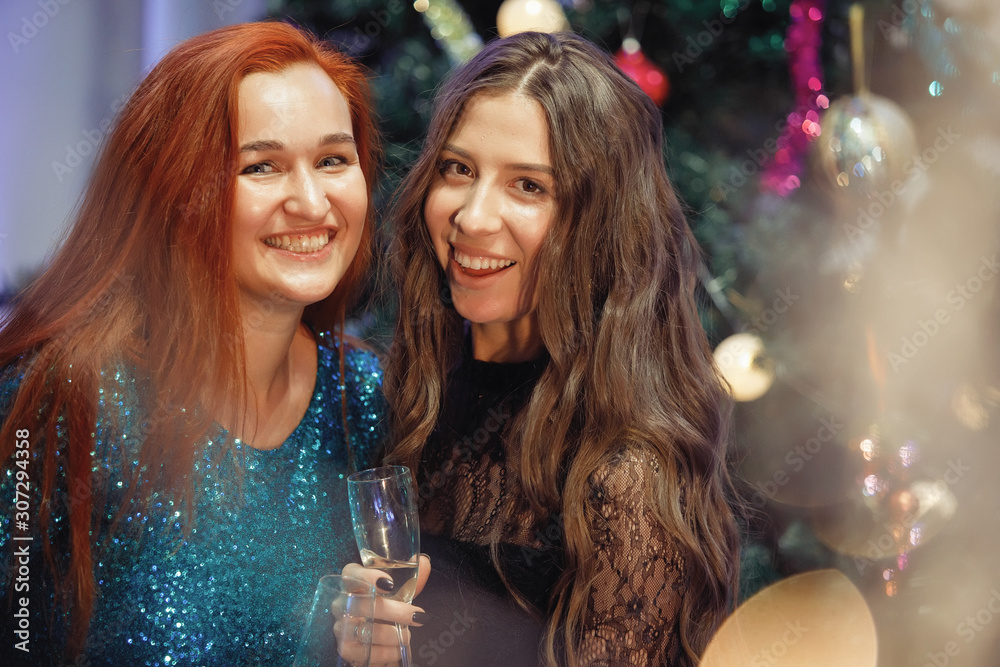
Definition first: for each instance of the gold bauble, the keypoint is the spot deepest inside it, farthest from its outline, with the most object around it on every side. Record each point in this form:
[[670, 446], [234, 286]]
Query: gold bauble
[[744, 364], [868, 146], [516, 16]]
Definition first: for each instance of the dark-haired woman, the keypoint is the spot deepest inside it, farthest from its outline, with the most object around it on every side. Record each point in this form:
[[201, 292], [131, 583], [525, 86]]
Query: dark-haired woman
[[176, 422], [549, 379]]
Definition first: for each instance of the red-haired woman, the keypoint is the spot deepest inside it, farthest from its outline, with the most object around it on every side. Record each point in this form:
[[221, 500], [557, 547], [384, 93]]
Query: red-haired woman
[[549, 379], [177, 424]]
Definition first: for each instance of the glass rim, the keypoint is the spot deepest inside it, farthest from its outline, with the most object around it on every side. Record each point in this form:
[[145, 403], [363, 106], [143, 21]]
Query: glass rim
[[379, 474]]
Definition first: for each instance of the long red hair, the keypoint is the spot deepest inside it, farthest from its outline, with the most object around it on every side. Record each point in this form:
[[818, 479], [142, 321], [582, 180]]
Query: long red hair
[[144, 277]]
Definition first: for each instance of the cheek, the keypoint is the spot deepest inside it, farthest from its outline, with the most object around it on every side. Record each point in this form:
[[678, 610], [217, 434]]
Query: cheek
[[533, 234], [249, 208], [351, 197], [436, 221]]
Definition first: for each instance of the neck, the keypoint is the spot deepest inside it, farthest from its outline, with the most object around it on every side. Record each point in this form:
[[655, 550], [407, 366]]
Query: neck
[[271, 344], [280, 370], [507, 342]]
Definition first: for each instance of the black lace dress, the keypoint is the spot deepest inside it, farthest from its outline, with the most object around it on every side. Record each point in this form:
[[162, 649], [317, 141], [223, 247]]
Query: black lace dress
[[470, 497]]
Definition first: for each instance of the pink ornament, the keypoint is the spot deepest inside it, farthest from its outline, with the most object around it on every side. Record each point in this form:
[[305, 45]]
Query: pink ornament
[[653, 80], [803, 44]]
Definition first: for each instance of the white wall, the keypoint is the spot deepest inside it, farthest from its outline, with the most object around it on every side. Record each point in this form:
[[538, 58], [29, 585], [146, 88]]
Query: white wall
[[65, 68]]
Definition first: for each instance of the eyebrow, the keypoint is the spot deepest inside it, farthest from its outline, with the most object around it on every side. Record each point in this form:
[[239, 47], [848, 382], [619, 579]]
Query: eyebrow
[[272, 145], [544, 168]]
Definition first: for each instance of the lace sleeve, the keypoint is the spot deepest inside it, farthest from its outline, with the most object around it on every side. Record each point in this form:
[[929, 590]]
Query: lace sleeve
[[634, 604]]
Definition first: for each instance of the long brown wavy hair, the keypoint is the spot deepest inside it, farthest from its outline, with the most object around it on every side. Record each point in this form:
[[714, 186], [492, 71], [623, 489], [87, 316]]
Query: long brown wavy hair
[[629, 361], [145, 277]]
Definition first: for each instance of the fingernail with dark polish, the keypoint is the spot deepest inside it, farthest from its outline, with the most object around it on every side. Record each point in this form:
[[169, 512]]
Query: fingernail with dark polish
[[385, 584], [420, 617]]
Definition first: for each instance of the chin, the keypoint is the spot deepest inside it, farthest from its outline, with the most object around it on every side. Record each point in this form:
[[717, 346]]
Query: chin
[[480, 313]]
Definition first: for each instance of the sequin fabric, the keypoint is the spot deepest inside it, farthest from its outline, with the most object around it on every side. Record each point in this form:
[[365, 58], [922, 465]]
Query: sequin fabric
[[268, 524]]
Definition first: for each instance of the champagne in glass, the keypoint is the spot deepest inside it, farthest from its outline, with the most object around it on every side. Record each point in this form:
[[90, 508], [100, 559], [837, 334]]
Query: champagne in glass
[[403, 574], [384, 513]]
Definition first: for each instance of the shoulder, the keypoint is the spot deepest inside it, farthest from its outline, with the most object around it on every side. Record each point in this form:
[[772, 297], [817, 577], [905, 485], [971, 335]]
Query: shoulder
[[630, 471]]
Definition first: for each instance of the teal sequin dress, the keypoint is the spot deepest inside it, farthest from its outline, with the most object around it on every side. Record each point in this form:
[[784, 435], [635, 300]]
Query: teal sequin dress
[[237, 589]]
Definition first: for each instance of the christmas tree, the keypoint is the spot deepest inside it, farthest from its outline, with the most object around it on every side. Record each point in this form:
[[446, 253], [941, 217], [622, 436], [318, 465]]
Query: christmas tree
[[839, 167]]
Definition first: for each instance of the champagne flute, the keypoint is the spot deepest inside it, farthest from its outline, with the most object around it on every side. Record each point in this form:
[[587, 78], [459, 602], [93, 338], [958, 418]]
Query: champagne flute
[[338, 632], [384, 513]]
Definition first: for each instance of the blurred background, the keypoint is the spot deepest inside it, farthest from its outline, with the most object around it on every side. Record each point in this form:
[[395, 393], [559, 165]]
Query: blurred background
[[841, 170]]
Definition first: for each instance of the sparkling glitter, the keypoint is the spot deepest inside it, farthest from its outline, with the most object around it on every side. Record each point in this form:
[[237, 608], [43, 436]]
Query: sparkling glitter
[[266, 525]]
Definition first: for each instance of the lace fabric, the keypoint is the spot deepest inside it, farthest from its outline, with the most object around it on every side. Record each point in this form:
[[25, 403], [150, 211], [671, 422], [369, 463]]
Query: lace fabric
[[470, 493]]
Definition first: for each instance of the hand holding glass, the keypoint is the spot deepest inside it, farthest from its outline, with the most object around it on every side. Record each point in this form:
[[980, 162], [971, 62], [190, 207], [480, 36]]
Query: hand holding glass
[[339, 629], [384, 512]]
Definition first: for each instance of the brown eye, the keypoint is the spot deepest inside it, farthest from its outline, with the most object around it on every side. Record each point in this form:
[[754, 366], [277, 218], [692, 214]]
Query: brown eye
[[454, 168], [531, 187]]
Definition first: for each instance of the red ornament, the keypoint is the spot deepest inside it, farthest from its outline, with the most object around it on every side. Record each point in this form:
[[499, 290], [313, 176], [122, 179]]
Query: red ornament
[[653, 80]]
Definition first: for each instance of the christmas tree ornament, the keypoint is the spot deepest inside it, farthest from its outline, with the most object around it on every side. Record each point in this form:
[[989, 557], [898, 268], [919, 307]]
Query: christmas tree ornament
[[867, 148], [868, 142], [825, 601], [896, 506], [516, 16], [743, 362], [653, 80], [450, 27], [803, 42]]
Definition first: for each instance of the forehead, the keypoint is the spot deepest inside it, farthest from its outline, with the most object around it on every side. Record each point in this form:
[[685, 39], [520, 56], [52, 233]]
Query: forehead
[[506, 120], [301, 94]]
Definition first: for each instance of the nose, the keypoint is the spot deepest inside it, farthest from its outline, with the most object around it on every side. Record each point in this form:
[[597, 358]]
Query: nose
[[480, 212], [306, 198]]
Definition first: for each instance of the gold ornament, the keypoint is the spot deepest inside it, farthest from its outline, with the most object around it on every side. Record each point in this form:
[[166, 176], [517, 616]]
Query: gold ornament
[[867, 143], [516, 16], [868, 146], [744, 364]]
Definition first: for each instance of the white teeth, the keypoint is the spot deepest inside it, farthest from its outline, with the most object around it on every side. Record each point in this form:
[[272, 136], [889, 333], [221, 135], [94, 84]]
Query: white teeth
[[476, 263], [299, 243]]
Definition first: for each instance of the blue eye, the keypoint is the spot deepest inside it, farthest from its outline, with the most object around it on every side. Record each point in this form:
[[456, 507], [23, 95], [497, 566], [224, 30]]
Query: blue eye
[[258, 168], [332, 161]]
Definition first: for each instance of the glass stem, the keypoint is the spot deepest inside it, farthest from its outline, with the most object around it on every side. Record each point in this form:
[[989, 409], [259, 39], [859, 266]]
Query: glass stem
[[404, 649]]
